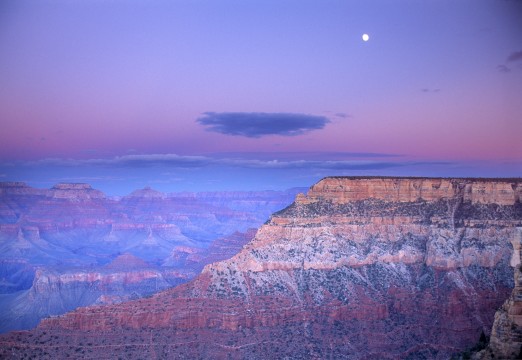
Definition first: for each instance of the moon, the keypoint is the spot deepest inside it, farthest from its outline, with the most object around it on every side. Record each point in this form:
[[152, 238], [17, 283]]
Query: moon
[[365, 37]]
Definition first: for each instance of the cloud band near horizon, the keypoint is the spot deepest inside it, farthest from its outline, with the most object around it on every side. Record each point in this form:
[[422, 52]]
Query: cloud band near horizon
[[191, 161]]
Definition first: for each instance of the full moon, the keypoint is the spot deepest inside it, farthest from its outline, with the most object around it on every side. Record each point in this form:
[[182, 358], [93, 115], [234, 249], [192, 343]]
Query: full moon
[[365, 37]]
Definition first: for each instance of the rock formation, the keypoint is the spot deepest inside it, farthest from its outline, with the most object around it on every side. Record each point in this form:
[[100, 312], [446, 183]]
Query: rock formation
[[358, 268], [65, 247]]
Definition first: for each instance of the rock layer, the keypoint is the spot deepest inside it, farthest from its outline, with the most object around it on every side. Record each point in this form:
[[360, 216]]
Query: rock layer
[[359, 268], [476, 191]]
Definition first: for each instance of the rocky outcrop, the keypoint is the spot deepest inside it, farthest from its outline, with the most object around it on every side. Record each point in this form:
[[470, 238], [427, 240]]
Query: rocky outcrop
[[359, 268], [75, 192], [146, 193]]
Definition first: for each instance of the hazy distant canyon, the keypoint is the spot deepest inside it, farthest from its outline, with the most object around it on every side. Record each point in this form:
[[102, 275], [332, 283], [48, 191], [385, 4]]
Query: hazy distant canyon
[[72, 245], [356, 268]]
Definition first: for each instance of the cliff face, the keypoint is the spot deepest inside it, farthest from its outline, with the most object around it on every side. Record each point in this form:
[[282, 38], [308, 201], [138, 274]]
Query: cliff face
[[438, 222], [506, 334], [475, 191], [358, 268]]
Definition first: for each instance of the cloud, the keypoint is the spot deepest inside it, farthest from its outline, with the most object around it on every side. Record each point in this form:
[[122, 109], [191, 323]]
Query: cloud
[[86, 179], [427, 90], [257, 124], [174, 161], [309, 155], [162, 159], [503, 68], [514, 56]]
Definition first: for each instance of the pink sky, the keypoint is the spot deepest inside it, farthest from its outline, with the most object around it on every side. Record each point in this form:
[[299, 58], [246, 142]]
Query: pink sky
[[78, 84]]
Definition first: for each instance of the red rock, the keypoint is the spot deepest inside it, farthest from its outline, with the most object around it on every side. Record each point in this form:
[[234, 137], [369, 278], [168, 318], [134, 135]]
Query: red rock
[[381, 272]]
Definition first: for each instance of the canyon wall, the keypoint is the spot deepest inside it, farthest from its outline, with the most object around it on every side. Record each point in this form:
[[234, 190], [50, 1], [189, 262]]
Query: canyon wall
[[58, 246], [357, 268]]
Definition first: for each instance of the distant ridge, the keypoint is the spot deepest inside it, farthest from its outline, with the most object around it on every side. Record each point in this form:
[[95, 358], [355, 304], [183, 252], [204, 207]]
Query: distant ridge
[[73, 245], [127, 262]]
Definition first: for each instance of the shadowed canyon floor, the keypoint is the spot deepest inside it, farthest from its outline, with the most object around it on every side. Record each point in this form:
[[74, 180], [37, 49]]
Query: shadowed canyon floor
[[358, 268]]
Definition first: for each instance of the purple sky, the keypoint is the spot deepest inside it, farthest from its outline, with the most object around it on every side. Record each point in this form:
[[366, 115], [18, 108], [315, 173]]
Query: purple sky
[[193, 95]]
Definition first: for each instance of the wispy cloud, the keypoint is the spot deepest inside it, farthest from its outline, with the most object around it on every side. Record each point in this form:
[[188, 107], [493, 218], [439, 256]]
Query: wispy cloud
[[514, 56], [85, 179], [258, 124], [174, 160], [371, 162], [503, 68], [308, 155]]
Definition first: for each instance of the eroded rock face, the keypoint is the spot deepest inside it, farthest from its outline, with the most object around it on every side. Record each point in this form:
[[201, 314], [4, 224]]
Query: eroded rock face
[[359, 268]]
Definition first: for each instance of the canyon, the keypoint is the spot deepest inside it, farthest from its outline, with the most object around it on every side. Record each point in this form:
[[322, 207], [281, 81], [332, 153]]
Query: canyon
[[356, 268], [72, 245]]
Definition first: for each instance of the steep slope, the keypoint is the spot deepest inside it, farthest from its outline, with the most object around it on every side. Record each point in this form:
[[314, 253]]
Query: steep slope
[[359, 268]]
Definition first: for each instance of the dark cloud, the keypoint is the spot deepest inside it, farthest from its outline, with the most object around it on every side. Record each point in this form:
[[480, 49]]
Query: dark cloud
[[255, 125], [427, 90], [503, 68], [514, 56]]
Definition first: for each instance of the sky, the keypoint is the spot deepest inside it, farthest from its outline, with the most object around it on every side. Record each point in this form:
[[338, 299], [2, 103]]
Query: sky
[[257, 94]]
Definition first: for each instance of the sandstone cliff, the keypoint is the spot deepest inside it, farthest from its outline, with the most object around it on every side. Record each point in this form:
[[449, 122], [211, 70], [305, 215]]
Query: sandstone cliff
[[358, 268]]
